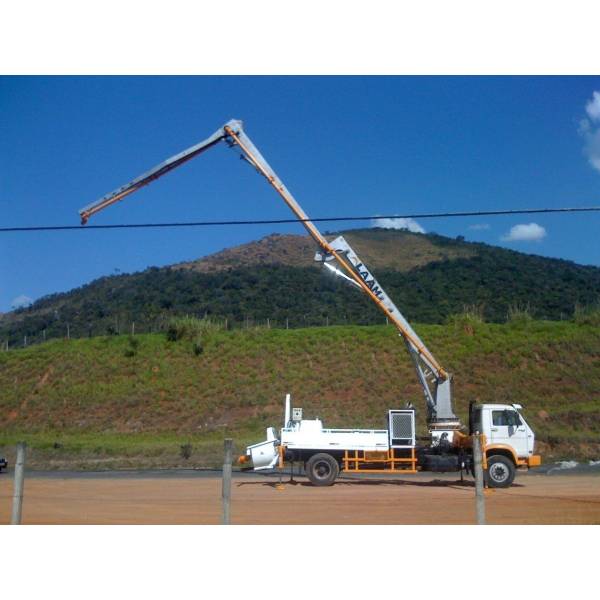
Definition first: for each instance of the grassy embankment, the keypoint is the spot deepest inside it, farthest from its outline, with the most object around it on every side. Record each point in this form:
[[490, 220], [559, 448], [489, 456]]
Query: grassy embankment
[[113, 402]]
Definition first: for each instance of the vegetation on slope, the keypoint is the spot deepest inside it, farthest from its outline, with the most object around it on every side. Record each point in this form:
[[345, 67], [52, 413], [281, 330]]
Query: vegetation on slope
[[138, 400]]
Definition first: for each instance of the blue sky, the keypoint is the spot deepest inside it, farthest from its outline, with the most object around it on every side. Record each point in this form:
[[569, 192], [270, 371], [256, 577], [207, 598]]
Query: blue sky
[[347, 145]]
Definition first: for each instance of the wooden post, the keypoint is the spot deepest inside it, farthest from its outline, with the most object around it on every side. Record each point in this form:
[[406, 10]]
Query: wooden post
[[133, 328], [287, 323], [226, 494], [68, 332], [479, 497], [18, 484]]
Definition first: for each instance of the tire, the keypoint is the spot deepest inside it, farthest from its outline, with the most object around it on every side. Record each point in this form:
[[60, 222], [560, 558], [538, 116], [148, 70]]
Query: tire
[[322, 469], [500, 473]]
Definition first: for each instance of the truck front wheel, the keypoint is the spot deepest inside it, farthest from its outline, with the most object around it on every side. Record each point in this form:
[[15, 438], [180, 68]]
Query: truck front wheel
[[500, 472], [322, 469]]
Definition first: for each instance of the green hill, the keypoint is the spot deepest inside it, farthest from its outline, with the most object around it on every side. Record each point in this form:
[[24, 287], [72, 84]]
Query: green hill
[[429, 277], [121, 401]]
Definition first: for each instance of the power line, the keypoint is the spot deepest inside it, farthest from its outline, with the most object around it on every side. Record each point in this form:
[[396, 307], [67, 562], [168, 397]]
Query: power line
[[479, 213]]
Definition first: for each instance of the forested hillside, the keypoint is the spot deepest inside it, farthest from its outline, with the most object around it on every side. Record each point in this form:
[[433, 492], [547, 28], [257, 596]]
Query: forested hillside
[[429, 276]]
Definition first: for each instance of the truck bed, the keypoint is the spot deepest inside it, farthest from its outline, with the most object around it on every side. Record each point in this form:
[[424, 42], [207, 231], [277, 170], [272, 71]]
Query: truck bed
[[332, 439]]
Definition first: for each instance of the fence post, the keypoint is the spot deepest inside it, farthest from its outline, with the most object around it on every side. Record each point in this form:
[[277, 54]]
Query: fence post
[[226, 494], [18, 484], [479, 497]]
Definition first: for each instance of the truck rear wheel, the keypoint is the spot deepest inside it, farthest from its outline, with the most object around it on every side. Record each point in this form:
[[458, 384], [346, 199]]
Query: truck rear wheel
[[322, 469], [500, 472]]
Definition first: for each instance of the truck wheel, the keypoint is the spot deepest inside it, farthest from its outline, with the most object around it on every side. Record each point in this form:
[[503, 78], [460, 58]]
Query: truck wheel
[[500, 472], [322, 469]]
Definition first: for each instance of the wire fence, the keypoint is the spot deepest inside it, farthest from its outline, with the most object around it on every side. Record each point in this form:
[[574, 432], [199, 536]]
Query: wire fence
[[131, 327]]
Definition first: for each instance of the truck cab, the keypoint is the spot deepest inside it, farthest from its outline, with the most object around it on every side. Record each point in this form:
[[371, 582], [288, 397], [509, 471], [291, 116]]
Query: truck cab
[[509, 440]]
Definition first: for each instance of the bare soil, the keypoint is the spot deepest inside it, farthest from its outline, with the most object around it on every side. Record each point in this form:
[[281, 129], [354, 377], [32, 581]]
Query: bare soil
[[420, 499]]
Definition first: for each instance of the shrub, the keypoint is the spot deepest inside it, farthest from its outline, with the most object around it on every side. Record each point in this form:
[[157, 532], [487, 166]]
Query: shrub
[[519, 314], [468, 319], [587, 315], [197, 347], [189, 328], [185, 450], [133, 347]]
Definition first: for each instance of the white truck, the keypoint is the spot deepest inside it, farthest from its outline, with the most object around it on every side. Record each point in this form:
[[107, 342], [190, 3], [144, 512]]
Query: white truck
[[507, 440], [508, 444]]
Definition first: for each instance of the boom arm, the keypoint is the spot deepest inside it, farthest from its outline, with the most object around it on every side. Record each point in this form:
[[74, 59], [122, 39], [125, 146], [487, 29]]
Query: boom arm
[[435, 381], [429, 371]]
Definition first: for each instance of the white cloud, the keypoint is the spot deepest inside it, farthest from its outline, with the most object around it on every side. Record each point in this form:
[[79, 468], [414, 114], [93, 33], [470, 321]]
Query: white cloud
[[592, 148], [479, 226], [584, 127], [592, 108], [589, 130], [525, 232], [398, 223], [21, 301]]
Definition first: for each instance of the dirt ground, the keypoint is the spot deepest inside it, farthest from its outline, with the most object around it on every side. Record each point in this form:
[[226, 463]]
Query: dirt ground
[[417, 499]]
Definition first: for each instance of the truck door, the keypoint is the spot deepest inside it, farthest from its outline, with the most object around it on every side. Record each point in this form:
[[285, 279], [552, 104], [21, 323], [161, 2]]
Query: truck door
[[508, 428]]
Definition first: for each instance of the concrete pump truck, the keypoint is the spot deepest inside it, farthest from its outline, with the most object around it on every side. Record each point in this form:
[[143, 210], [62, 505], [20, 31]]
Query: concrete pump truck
[[508, 441]]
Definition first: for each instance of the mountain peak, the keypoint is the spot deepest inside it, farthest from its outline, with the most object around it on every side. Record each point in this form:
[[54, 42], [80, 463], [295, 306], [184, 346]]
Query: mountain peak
[[395, 249]]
